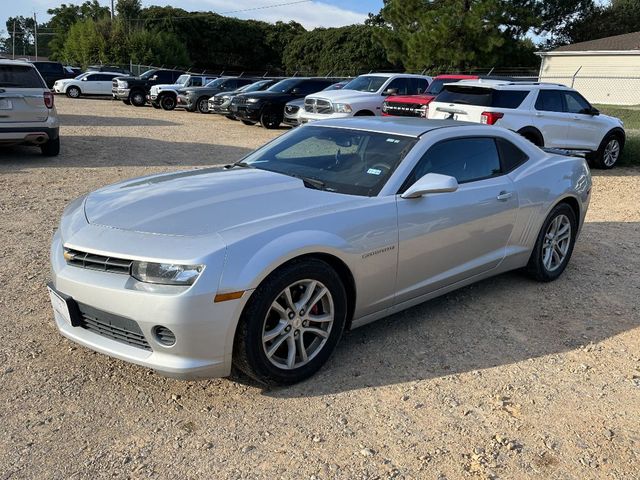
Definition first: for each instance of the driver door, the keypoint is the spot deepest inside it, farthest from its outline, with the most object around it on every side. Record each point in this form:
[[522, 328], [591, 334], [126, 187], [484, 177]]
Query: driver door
[[448, 237]]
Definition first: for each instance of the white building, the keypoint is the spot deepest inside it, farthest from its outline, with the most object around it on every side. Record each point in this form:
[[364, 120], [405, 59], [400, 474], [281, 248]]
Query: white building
[[605, 71]]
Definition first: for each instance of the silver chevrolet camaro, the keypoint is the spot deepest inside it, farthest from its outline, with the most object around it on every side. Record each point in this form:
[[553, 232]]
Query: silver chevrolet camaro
[[265, 263]]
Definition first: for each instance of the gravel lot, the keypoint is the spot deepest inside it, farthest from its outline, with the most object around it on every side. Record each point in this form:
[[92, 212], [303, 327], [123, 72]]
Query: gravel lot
[[504, 379]]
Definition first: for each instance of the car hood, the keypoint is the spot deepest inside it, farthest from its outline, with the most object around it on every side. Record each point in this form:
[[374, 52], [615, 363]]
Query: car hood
[[417, 99], [277, 96], [346, 96], [205, 202], [200, 90], [128, 78]]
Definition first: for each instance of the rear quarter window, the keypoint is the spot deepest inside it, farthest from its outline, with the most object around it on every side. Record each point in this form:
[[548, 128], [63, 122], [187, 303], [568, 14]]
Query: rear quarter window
[[20, 76], [482, 97], [510, 155]]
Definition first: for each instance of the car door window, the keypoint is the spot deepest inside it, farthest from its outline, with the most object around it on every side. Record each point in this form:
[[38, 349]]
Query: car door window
[[465, 159], [92, 78], [229, 84], [576, 103], [310, 86], [549, 101], [196, 82], [420, 85], [402, 86]]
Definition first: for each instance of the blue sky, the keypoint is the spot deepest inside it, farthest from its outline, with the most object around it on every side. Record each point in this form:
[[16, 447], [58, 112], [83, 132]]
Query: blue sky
[[327, 13]]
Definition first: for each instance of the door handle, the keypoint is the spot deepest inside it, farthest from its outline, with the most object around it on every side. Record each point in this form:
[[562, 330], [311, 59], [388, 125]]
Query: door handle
[[504, 196]]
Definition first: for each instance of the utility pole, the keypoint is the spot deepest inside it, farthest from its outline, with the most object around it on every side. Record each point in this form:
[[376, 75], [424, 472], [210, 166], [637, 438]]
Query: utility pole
[[13, 48], [112, 10], [35, 36]]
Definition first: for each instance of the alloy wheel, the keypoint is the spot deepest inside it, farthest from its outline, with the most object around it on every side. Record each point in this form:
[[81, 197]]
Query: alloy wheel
[[556, 244], [611, 152], [298, 324]]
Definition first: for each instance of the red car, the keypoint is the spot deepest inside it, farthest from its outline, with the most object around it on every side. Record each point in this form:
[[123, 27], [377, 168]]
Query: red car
[[416, 105]]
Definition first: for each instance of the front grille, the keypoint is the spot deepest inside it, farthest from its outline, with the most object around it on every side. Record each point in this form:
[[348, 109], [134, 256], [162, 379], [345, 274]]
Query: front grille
[[120, 329], [97, 262], [114, 83], [239, 101], [315, 105], [403, 109], [291, 109]]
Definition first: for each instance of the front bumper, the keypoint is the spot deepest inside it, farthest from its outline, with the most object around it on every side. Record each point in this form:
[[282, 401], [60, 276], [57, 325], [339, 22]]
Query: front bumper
[[120, 93], [184, 101], [203, 329], [247, 112]]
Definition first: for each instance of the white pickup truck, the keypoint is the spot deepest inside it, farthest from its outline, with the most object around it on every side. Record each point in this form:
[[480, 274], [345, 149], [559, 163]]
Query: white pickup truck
[[362, 96], [165, 95]]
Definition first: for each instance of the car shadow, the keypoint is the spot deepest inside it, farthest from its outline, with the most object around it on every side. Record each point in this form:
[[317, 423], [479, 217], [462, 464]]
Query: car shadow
[[504, 320], [70, 120], [96, 152]]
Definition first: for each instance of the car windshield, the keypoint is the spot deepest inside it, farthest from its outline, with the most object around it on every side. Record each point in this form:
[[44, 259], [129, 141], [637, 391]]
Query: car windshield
[[283, 86], [335, 86], [341, 160], [437, 85], [215, 83], [82, 75], [147, 74], [182, 80], [366, 83], [254, 87]]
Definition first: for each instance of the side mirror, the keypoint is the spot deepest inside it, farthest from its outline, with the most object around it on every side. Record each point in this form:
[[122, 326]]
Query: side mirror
[[84, 79], [390, 91], [431, 183], [154, 78]]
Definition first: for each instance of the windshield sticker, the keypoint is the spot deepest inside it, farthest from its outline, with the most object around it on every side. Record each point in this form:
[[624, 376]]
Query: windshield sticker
[[393, 140], [374, 171]]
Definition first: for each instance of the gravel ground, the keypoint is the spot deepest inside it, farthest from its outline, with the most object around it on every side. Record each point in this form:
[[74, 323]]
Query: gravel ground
[[504, 379]]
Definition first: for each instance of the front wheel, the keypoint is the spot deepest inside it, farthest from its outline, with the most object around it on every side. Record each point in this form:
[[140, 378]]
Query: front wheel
[[203, 105], [554, 245], [138, 99], [270, 119], [292, 323], [126, 102], [168, 102], [73, 92], [608, 153]]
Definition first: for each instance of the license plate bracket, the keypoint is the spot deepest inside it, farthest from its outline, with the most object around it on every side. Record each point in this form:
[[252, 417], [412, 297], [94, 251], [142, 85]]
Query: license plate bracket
[[65, 306]]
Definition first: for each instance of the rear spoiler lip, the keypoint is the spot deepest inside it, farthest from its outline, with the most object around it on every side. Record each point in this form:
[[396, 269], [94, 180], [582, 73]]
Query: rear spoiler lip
[[567, 152]]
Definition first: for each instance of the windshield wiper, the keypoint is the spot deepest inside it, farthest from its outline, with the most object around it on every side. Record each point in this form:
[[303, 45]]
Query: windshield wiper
[[310, 182], [239, 163]]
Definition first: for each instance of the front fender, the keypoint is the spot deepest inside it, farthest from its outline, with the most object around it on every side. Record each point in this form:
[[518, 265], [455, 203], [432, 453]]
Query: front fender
[[241, 273]]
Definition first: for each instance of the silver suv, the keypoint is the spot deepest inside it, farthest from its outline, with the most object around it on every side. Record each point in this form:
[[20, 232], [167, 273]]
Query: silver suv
[[27, 113]]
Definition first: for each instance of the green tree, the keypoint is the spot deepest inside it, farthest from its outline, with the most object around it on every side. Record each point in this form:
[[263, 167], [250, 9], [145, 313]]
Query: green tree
[[345, 50], [24, 36]]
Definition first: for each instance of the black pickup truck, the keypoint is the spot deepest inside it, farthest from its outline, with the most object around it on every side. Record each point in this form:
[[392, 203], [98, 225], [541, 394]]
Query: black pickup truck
[[134, 90], [52, 71]]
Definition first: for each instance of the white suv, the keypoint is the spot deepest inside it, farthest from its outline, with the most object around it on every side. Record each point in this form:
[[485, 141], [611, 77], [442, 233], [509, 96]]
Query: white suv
[[27, 113], [547, 114], [363, 95]]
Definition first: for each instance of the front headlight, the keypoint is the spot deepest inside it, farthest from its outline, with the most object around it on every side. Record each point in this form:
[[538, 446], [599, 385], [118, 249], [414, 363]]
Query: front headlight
[[166, 273], [253, 100], [342, 108], [122, 84]]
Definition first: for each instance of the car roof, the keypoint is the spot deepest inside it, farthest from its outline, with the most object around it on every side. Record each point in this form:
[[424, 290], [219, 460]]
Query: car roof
[[389, 75], [8, 61], [408, 127], [508, 85]]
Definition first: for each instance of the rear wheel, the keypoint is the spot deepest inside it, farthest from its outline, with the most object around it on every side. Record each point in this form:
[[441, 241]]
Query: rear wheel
[[609, 152], [555, 243], [73, 92], [291, 324], [203, 105], [51, 148], [137, 98], [270, 119], [168, 102]]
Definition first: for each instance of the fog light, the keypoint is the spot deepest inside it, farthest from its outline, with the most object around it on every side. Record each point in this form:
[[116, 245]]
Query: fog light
[[164, 336]]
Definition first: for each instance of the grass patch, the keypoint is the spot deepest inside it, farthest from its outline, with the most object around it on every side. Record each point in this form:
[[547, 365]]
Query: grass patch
[[630, 115]]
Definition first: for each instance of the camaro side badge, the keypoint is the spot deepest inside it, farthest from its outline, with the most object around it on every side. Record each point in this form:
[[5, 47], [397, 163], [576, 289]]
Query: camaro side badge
[[380, 250]]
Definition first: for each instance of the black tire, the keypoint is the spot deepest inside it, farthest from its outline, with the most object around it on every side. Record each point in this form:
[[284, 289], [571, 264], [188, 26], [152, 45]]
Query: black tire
[[137, 98], [73, 92], [248, 352], [231, 117], [203, 104], [155, 105], [51, 148], [600, 159], [533, 136], [365, 113], [536, 267], [126, 102], [270, 119], [248, 122], [168, 102]]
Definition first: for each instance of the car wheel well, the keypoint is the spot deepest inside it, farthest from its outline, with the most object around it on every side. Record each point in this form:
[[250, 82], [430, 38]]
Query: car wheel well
[[341, 269], [365, 113], [618, 132], [533, 135], [575, 206]]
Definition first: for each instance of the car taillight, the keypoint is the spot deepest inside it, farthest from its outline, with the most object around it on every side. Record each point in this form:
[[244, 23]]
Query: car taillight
[[490, 118], [48, 99]]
